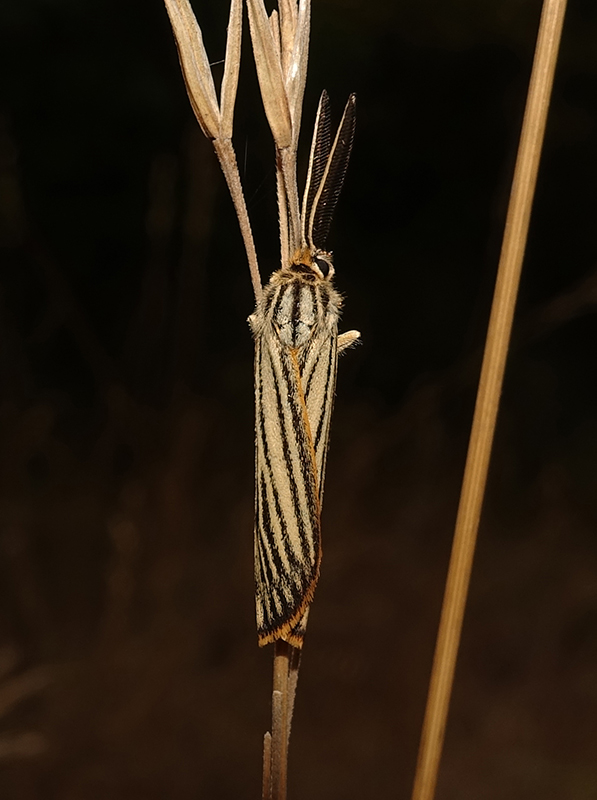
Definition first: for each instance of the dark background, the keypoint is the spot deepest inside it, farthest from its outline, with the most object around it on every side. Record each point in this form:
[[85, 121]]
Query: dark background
[[128, 658]]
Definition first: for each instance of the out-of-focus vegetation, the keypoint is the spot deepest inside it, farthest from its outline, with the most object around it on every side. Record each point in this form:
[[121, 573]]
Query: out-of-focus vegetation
[[128, 659]]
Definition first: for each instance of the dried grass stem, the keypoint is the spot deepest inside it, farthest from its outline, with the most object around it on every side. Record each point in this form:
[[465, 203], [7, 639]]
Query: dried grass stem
[[490, 386]]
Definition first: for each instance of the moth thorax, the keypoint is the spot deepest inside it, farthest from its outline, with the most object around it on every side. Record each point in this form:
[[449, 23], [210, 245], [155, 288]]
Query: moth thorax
[[296, 312]]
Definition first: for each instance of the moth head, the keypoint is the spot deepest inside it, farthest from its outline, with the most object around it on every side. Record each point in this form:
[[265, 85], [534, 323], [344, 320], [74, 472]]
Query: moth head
[[313, 264]]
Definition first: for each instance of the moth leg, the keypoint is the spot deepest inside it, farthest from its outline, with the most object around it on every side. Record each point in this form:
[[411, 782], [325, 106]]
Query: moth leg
[[346, 340]]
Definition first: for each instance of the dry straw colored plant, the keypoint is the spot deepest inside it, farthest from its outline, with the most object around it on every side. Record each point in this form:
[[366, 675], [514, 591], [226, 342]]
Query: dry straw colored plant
[[488, 397]]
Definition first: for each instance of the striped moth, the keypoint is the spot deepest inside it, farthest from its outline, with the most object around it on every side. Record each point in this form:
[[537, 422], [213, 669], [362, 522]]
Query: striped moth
[[295, 324], [295, 327]]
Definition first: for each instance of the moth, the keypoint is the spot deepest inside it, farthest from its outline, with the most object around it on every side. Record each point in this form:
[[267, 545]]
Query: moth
[[295, 327]]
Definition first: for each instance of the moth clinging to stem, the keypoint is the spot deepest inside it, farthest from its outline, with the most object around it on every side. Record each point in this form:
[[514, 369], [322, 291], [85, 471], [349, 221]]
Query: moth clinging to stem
[[296, 349], [295, 324]]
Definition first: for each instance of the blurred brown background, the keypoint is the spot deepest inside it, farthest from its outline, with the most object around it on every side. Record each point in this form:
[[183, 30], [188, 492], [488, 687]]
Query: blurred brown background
[[128, 660]]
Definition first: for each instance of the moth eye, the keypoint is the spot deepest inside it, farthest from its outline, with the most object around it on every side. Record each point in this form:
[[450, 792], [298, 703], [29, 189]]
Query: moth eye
[[323, 265]]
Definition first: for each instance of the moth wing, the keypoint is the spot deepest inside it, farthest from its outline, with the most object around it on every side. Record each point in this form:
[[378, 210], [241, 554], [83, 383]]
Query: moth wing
[[318, 375], [318, 380], [287, 514]]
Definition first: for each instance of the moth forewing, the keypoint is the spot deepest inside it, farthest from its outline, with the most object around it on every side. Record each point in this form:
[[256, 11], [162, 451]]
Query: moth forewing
[[296, 333], [318, 371]]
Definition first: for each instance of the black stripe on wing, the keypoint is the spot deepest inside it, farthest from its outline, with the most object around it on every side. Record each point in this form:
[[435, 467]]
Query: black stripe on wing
[[318, 159], [324, 203], [287, 528]]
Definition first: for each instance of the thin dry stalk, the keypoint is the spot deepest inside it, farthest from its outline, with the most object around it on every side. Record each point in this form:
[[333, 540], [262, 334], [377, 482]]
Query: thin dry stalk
[[275, 745], [279, 741], [227, 159], [215, 119], [266, 791], [490, 385]]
